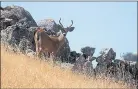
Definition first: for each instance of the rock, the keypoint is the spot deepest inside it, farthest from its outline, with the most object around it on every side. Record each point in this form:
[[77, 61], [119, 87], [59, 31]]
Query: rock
[[20, 32], [1, 8], [15, 35], [5, 22], [18, 27], [88, 67], [30, 53], [17, 13], [23, 44], [80, 61], [49, 24]]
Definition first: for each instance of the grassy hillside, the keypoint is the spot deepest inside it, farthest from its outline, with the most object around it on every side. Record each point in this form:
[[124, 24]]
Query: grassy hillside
[[20, 71]]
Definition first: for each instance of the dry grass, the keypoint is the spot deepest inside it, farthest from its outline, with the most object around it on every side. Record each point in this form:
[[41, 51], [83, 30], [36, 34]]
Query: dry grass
[[20, 71]]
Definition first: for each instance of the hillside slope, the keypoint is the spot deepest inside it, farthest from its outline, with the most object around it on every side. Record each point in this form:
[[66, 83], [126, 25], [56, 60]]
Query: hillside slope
[[20, 71]]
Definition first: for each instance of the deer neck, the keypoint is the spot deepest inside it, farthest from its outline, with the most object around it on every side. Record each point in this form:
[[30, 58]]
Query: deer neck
[[60, 40], [61, 37]]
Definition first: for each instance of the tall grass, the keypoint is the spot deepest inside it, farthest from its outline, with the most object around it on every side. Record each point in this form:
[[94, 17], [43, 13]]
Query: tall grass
[[20, 71]]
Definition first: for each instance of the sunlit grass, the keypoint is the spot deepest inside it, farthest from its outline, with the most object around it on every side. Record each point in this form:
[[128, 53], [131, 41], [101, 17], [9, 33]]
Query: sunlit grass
[[20, 71]]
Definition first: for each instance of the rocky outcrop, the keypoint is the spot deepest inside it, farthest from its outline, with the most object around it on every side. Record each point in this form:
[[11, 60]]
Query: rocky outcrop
[[17, 14], [49, 24], [18, 26]]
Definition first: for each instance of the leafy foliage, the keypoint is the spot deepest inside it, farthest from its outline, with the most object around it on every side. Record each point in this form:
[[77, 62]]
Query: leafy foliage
[[88, 50]]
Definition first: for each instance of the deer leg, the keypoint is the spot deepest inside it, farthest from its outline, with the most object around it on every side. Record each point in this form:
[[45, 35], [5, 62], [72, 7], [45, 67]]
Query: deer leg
[[53, 57], [38, 54], [40, 51], [48, 54], [45, 54], [37, 50]]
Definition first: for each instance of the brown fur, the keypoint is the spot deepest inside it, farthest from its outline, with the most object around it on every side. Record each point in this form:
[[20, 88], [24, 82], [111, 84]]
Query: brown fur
[[45, 43]]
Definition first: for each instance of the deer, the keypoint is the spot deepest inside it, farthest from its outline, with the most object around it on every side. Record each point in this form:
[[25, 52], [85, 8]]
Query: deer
[[50, 44]]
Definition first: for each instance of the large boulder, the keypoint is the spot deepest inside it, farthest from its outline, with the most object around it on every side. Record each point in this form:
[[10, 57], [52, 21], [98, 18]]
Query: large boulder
[[20, 30], [106, 55], [17, 13], [18, 27], [78, 66], [49, 24], [20, 36], [104, 60]]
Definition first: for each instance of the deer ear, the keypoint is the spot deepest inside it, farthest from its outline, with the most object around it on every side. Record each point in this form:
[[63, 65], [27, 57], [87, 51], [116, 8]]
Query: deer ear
[[71, 29]]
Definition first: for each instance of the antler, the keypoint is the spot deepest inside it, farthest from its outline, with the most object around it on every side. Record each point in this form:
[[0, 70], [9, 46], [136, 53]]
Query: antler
[[60, 23], [71, 23]]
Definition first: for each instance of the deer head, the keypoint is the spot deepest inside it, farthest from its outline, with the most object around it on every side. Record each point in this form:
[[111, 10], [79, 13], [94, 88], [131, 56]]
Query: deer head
[[67, 29]]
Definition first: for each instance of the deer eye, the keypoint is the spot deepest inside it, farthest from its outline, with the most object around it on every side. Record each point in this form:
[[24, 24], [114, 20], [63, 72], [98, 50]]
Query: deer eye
[[64, 34]]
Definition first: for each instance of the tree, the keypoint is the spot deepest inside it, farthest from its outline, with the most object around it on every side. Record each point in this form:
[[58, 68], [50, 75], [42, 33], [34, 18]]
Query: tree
[[73, 53], [89, 51]]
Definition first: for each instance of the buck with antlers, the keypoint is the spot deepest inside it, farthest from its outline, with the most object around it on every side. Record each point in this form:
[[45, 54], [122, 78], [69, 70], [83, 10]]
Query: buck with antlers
[[52, 44], [67, 29]]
